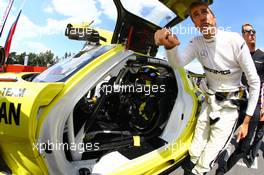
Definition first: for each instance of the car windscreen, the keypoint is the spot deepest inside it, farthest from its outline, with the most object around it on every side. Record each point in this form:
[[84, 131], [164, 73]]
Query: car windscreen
[[151, 10], [64, 69]]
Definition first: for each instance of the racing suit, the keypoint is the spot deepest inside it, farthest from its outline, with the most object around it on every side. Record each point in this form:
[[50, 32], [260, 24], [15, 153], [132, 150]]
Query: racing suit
[[244, 145], [224, 58]]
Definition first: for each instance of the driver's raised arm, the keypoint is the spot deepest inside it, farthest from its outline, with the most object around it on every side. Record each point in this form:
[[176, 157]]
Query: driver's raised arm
[[170, 42]]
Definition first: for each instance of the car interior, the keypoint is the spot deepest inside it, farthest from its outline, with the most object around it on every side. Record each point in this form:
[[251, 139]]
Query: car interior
[[136, 101]]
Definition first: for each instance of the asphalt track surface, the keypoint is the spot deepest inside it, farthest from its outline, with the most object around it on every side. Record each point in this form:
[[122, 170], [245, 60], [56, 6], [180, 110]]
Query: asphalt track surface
[[240, 168]]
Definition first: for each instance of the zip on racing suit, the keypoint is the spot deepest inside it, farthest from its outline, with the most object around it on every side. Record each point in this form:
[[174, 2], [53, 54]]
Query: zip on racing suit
[[223, 58]]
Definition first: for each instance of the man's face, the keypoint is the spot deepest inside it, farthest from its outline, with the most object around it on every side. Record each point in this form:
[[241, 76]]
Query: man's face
[[203, 18], [249, 35]]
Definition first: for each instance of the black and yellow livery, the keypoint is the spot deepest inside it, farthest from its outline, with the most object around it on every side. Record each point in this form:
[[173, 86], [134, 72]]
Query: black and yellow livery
[[110, 109]]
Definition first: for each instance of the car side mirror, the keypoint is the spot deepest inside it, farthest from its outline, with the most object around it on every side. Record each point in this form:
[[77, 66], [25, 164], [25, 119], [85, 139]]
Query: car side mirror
[[83, 33], [2, 56]]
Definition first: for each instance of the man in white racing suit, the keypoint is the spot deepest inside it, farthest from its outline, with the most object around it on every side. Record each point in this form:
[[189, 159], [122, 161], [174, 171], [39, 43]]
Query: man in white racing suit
[[224, 56]]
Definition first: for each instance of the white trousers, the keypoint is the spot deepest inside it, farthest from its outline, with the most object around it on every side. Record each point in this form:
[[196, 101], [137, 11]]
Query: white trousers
[[210, 140]]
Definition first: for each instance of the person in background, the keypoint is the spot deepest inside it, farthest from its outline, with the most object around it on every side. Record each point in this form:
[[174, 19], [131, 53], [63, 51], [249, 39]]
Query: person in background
[[224, 56], [258, 135], [243, 148], [249, 34]]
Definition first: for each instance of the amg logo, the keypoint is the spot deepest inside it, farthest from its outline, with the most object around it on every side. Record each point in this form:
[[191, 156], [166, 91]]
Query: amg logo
[[223, 72], [9, 111]]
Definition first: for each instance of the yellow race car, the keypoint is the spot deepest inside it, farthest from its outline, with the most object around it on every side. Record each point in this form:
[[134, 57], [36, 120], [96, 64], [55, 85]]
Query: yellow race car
[[111, 109]]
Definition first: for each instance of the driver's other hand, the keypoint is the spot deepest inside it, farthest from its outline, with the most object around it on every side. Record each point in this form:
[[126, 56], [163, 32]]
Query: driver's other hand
[[166, 38]]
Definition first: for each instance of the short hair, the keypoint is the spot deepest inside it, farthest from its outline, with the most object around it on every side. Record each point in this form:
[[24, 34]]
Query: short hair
[[246, 24], [199, 3]]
